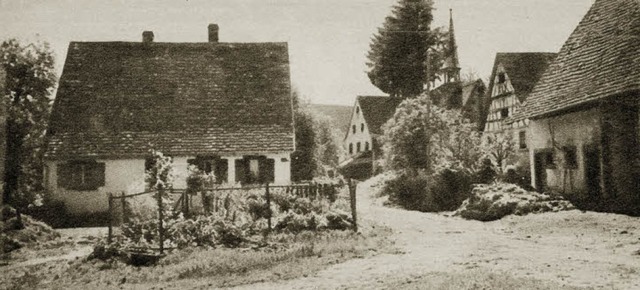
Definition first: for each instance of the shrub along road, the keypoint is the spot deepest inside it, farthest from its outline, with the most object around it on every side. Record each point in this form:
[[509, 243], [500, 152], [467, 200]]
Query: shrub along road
[[568, 249]]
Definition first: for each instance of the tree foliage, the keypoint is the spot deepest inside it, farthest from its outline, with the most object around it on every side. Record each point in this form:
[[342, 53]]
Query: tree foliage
[[499, 148], [451, 141], [397, 57], [30, 79], [317, 143]]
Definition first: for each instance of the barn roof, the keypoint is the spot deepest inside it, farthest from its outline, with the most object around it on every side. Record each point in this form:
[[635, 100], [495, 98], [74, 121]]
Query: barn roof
[[600, 59], [377, 110], [120, 99]]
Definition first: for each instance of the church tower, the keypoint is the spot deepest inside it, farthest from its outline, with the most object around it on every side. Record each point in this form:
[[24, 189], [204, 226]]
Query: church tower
[[451, 66]]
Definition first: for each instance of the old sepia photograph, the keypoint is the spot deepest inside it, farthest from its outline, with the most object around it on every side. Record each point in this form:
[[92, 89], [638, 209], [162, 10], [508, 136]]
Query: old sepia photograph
[[320, 144]]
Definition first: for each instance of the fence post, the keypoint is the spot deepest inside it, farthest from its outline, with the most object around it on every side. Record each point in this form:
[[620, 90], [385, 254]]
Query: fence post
[[110, 231], [268, 197], [125, 218], [354, 214], [160, 224]]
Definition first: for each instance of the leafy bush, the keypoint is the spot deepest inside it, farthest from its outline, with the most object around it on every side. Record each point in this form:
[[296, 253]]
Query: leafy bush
[[442, 191], [408, 191], [295, 222], [339, 220]]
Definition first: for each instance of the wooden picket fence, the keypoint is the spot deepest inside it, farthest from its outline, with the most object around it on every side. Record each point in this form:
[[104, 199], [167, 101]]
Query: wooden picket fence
[[184, 203]]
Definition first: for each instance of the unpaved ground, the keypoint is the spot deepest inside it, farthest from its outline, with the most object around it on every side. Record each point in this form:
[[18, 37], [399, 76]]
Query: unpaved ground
[[572, 248], [72, 244]]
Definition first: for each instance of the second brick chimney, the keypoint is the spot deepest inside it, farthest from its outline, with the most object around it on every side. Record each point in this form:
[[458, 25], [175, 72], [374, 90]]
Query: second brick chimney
[[147, 36], [213, 32]]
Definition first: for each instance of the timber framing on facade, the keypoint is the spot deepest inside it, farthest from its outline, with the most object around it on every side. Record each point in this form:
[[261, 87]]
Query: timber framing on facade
[[224, 107]]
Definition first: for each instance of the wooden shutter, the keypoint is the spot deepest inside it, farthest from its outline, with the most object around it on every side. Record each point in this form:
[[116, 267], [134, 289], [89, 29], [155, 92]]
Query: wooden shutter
[[221, 170], [240, 165], [267, 170]]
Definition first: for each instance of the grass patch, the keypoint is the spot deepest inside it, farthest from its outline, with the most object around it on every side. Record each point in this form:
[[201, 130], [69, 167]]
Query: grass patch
[[287, 256]]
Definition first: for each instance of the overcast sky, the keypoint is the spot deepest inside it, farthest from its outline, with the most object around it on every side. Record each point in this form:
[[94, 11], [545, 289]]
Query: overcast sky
[[328, 39]]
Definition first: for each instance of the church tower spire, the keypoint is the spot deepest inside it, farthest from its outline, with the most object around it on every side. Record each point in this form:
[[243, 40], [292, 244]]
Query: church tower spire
[[451, 67]]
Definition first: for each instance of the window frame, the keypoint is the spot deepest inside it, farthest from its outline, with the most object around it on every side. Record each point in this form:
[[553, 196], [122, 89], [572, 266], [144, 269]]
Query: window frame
[[504, 113], [87, 169]]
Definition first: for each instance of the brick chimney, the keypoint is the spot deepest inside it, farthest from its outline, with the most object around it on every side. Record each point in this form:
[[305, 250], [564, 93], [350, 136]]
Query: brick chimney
[[147, 36], [213, 32]]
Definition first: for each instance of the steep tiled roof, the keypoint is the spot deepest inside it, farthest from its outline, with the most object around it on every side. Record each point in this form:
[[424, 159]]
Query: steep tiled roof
[[377, 111], [523, 68], [600, 59], [121, 98]]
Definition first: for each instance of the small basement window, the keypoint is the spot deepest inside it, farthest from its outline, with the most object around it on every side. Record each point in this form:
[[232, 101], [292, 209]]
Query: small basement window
[[81, 175], [570, 157]]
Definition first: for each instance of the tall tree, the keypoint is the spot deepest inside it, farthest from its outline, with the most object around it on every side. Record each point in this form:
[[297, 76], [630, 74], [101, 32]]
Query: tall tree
[[30, 79], [397, 58]]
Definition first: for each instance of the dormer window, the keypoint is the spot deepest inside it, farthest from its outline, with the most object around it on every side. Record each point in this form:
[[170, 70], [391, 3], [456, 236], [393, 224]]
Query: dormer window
[[502, 78]]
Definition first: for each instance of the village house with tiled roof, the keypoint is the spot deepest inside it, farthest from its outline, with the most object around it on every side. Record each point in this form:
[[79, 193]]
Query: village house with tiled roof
[[584, 120], [225, 107], [361, 141], [513, 76]]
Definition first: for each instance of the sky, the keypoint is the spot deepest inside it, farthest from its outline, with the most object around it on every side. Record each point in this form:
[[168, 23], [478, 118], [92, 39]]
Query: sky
[[328, 39]]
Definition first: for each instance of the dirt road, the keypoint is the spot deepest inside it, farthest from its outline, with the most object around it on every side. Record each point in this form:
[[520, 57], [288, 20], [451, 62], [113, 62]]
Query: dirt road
[[572, 248]]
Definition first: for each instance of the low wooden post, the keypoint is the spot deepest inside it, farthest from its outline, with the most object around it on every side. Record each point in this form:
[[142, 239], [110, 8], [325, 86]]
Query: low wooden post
[[354, 214], [123, 202], [268, 198], [110, 231], [160, 223]]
